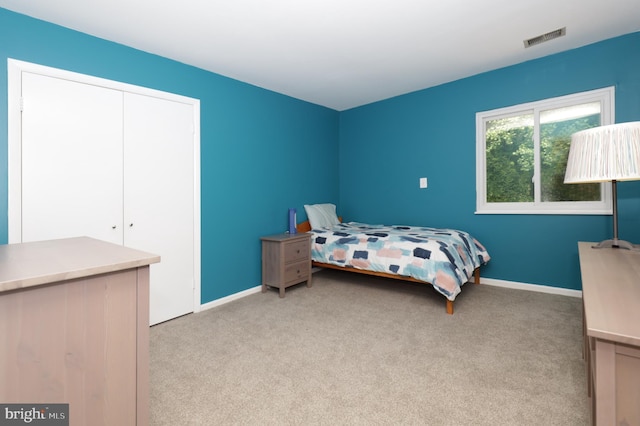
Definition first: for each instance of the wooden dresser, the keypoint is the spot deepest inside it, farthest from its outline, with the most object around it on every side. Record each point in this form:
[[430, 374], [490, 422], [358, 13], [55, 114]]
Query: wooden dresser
[[74, 329], [611, 297], [286, 260]]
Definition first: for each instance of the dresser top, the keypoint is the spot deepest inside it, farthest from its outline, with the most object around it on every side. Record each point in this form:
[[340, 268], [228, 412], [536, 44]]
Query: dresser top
[[611, 293], [286, 237], [43, 262]]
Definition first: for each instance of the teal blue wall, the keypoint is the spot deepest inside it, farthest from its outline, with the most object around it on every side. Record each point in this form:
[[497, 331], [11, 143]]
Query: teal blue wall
[[387, 146], [255, 144]]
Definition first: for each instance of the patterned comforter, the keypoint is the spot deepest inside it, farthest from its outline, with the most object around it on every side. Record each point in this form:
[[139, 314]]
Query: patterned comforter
[[445, 258]]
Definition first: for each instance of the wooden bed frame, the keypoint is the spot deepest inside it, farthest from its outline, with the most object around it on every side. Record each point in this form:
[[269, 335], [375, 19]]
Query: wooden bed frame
[[306, 227]]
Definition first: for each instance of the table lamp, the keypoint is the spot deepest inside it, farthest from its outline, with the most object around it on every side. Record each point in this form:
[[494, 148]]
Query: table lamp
[[606, 154]]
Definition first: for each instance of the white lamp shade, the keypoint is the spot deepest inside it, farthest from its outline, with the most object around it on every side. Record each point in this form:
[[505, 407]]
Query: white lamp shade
[[605, 153]]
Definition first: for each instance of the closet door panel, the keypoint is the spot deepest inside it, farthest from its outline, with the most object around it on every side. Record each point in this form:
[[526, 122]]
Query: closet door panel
[[159, 198], [71, 160]]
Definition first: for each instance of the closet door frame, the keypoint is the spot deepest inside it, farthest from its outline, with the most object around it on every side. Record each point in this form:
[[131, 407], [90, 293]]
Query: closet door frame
[[15, 68]]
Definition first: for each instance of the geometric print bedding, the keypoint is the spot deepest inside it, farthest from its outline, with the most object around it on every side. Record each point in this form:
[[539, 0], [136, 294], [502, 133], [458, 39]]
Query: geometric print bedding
[[445, 258]]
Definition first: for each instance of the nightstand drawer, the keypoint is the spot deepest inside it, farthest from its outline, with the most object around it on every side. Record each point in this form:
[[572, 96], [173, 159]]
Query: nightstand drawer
[[296, 272], [295, 251]]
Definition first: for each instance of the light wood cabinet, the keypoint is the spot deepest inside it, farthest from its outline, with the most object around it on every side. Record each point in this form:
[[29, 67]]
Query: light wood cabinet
[[286, 261], [74, 327], [611, 299]]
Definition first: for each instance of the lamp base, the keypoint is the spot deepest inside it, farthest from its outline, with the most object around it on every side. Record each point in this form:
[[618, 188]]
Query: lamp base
[[615, 243]]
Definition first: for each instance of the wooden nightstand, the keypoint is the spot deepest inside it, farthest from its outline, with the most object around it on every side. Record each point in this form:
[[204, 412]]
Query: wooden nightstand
[[286, 260]]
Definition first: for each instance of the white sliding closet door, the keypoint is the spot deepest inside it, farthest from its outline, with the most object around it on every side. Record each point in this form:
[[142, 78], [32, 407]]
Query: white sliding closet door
[[71, 160], [158, 197], [110, 161]]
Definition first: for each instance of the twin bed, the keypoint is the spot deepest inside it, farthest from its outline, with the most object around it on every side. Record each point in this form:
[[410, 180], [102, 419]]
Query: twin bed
[[444, 258]]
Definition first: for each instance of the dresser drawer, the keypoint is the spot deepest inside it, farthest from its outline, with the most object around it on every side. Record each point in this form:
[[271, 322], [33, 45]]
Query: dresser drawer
[[296, 272], [297, 250]]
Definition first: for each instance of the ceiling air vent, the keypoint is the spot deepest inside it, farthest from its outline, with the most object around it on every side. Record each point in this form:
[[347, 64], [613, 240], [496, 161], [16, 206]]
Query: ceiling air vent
[[545, 37]]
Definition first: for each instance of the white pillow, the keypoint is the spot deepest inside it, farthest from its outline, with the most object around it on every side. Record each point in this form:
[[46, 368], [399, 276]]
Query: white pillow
[[321, 215]]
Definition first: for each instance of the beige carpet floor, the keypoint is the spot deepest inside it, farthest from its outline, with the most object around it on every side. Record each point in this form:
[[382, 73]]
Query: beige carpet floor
[[355, 350]]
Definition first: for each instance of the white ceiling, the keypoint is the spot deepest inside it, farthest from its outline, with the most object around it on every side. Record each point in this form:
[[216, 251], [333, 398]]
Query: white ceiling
[[342, 53]]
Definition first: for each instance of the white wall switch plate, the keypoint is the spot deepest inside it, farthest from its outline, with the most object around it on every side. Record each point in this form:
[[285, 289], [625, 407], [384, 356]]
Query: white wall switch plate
[[423, 182]]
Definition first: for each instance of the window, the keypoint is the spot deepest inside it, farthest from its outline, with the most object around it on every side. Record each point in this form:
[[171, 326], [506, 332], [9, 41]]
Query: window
[[522, 155]]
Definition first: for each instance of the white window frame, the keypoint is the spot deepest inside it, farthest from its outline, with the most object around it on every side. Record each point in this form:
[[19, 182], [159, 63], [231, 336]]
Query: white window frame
[[607, 115]]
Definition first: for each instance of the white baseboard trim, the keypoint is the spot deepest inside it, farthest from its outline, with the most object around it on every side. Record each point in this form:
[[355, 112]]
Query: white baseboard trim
[[230, 298], [531, 287], [486, 281]]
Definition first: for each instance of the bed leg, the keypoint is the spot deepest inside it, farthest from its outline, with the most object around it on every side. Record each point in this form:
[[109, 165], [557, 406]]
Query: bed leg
[[449, 307], [476, 276]]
